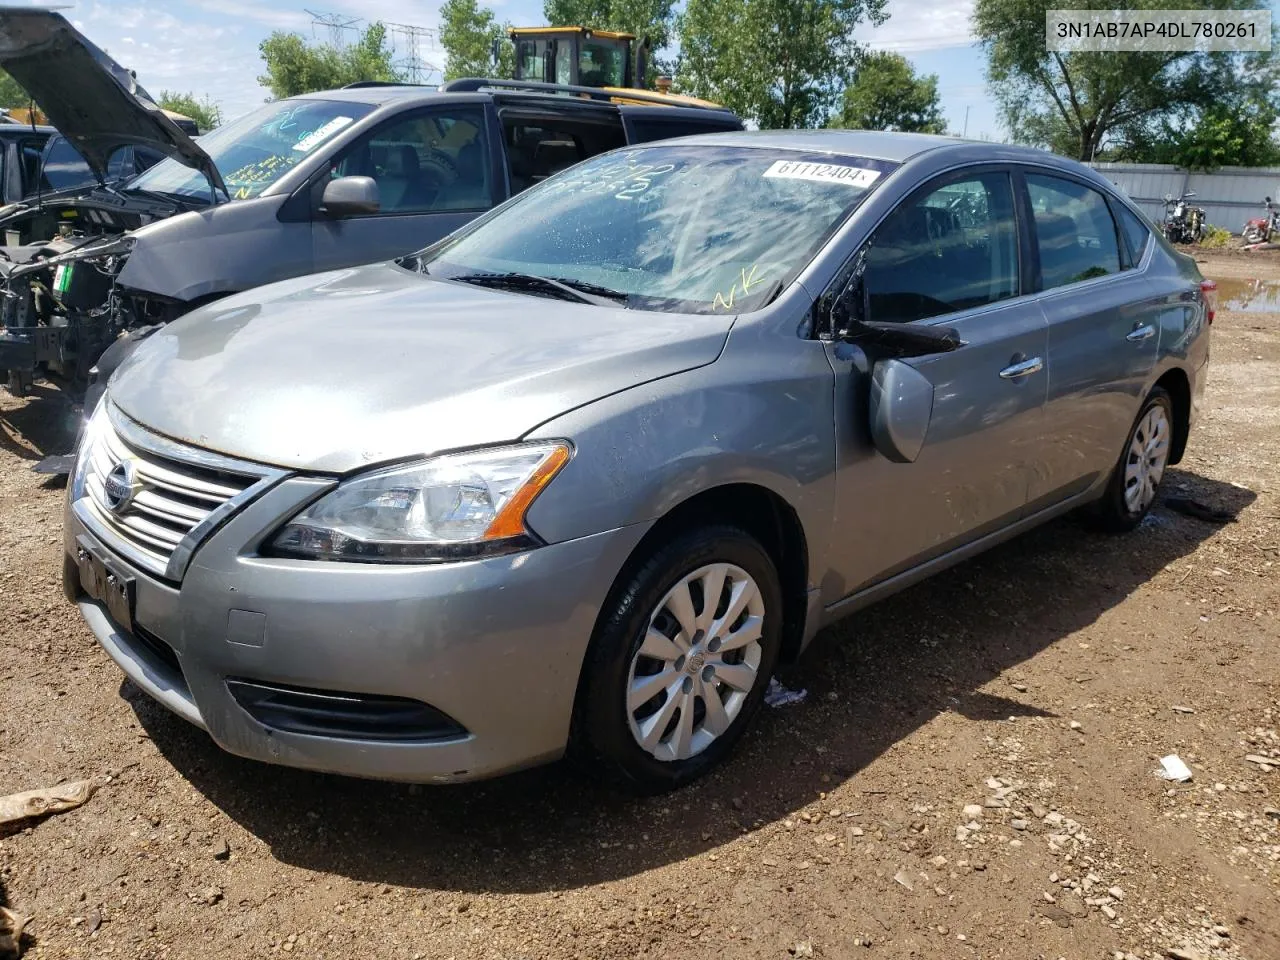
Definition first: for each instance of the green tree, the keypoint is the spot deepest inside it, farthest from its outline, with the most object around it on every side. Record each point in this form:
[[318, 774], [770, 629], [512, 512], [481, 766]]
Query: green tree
[[1075, 102], [1221, 135], [295, 66], [203, 111], [467, 33], [11, 92], [886, 94], [781, 63]]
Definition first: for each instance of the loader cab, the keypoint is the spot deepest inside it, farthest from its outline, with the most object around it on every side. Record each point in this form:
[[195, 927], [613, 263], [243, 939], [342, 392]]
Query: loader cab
[[579, 57]]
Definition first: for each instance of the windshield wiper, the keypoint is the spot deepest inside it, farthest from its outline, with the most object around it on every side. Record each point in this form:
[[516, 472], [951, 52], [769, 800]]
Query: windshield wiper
[[568, 289]]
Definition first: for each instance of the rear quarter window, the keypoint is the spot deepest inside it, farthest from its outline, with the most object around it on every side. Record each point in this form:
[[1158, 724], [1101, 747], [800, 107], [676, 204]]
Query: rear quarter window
[[1136, 234]]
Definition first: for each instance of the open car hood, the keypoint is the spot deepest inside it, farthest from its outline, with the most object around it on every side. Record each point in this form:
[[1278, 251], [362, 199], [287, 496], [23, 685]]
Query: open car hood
[[92, 100]]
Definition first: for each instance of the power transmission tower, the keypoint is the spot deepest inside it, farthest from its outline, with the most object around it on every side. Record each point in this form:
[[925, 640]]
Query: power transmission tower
[[338, 24], [413, 65]]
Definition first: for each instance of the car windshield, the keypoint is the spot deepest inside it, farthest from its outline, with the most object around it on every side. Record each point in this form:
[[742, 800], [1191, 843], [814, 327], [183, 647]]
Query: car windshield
[[256, 150], [699, 229]]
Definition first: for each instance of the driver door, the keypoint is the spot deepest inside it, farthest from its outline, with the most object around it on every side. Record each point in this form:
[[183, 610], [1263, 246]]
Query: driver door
[[949, 254], [434, 172]]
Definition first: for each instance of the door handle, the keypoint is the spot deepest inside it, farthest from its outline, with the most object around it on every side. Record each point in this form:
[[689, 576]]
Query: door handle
[[1016, 371], [1145, 332]]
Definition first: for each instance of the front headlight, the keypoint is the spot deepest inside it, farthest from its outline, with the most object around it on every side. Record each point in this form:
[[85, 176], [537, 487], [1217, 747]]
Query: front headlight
[[447, 508], [91, 430]]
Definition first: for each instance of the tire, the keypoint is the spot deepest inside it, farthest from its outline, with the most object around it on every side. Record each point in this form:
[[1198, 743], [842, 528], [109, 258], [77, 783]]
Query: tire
[[639, 639], [1132, 488]]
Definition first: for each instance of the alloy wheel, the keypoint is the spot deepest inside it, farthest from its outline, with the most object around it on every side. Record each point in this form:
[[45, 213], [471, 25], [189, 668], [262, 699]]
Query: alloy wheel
[[1147, 458], [698, 662]]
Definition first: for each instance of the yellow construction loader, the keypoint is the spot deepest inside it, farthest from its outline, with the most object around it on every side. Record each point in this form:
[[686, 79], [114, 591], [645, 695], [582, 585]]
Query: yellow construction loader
[[581, 57]]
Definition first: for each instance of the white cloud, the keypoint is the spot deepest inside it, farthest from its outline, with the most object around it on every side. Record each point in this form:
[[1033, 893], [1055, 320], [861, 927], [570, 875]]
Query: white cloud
[[916, 25]]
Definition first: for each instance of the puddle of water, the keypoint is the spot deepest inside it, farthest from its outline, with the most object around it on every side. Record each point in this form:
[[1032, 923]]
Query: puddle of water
[[1249, 296]]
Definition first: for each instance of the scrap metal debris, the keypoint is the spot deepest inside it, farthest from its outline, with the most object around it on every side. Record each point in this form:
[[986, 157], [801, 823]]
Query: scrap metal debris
[[46, 800], [11, 925], [779, 696]]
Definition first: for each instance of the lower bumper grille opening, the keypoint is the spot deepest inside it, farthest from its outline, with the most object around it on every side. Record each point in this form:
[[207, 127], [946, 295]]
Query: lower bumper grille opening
[[350, 716], [158, 648]]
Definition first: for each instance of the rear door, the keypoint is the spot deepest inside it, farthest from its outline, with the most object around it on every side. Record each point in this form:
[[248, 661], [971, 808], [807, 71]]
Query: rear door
[[646, 124], [435, 172], [1104, 323]]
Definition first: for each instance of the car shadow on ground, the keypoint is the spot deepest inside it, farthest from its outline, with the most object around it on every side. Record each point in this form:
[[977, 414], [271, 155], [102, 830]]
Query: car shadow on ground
[[45, 424], [872, 680]]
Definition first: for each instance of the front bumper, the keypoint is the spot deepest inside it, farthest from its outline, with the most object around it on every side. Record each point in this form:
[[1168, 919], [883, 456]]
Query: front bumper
[[497, 644]]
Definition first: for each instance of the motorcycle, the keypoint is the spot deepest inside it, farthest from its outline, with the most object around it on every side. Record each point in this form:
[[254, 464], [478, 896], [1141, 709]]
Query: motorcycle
[[1263, 229], [1183, 223]]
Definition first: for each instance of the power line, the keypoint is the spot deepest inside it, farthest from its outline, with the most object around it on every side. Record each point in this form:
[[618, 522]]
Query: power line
[[408, 40]]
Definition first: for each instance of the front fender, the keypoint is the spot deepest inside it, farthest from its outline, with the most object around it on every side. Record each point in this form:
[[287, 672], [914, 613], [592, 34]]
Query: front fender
[[758, 415], [223, 249]]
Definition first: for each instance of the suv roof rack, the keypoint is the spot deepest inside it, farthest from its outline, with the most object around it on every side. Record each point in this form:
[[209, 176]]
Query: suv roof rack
[[383, 83], [472, 84]]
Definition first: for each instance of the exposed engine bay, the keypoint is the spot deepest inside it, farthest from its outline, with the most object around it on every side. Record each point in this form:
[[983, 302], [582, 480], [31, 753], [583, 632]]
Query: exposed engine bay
[[63, 304]]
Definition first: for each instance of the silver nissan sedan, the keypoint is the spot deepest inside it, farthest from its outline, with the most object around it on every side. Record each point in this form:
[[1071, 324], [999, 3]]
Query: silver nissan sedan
[[576, 478]]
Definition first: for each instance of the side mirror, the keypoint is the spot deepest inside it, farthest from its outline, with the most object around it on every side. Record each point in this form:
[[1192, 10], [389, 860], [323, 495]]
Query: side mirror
[[350, 197], [904, 339], [901, 405]]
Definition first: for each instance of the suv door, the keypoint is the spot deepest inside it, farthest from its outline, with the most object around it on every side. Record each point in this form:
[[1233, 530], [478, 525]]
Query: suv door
[[1104, 327], [434, 173], [949, 254]]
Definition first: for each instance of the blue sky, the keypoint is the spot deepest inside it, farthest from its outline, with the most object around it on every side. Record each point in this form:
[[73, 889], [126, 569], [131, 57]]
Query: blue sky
[[210, 47]]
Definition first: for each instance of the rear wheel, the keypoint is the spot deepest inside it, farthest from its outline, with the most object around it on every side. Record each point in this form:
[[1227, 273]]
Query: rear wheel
[[1140, 470], [681, 659]]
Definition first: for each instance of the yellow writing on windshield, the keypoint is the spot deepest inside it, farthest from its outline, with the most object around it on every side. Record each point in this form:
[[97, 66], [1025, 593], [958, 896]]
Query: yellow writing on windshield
[[746, 280]]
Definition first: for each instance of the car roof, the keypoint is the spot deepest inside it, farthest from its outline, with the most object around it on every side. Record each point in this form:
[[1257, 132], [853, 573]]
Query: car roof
[[18, 129], [872, 144]]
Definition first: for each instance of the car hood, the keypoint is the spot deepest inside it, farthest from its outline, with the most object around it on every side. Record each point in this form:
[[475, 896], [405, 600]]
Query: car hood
[[92, 100], [342, 370]]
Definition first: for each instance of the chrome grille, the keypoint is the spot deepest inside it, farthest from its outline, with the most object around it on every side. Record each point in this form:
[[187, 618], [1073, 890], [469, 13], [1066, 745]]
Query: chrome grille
[[178, 494]]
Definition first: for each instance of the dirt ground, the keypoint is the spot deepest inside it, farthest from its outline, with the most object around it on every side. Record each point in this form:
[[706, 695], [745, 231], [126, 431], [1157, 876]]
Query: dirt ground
[[1040, 683]]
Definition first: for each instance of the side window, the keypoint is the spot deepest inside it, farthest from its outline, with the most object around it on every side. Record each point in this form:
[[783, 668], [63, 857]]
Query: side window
[[944, 249], [646, 128], [64, 168], [538, 149], [425, 163], [31, 153], [119, 163], [1135, 233], [1074, 231]]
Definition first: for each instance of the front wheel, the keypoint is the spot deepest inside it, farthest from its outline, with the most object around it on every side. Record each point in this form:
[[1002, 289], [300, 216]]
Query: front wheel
[[681, 659], [1140, 470]]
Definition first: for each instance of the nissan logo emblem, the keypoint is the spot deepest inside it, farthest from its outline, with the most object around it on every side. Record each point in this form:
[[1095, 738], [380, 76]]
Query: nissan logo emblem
[[120, 486]]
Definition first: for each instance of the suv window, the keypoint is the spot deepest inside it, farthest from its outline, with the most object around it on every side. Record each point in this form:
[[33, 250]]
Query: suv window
[[63, 167], [1074, 231], [1135, 232], [425, 163], [944, 249], [538, 148], [647, 127]]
